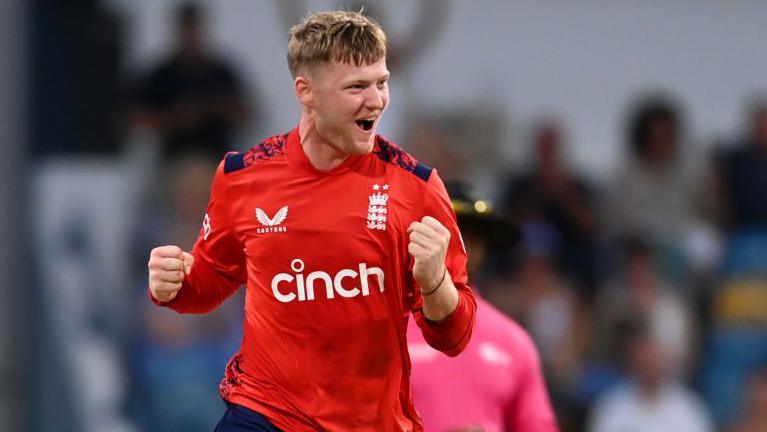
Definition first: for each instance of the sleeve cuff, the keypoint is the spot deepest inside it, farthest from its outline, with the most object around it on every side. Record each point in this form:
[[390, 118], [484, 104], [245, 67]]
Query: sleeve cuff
[[452, 333], [451, 318]]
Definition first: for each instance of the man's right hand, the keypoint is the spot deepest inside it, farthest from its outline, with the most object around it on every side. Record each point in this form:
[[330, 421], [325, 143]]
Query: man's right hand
[[168, 266]]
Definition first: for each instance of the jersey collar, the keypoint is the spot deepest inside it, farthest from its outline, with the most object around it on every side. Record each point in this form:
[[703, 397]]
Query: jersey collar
[[297, 157]]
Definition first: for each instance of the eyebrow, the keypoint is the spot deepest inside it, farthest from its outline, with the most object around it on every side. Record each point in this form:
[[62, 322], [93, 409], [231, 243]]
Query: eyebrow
[[361, 81]]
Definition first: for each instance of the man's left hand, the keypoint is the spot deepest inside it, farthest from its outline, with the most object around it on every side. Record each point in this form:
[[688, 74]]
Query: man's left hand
[[428, 246]]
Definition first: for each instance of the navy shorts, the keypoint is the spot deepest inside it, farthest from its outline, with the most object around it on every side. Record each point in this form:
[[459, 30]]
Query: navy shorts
[[240, 419]]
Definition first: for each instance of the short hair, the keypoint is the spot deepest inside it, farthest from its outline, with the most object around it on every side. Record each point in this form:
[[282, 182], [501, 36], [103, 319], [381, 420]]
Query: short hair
[[340, 36], [649, 110]]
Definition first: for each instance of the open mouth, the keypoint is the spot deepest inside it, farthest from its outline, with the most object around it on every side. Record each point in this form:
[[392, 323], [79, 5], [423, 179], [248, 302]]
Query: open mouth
[[365, 125]]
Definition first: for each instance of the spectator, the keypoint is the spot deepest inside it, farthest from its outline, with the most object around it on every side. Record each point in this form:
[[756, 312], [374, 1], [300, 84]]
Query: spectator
[[650, 400], [552, 193], [744, 175], [497, 383], [193, 99], [653, 194]]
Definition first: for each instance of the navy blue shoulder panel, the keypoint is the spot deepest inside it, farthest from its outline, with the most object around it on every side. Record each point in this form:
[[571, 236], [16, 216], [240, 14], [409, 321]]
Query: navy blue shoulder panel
[[391, 153], [233, 162], [422, 171], [270, 148]]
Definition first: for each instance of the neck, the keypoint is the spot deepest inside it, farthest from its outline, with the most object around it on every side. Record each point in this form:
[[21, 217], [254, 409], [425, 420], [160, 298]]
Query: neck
[[318, 150]]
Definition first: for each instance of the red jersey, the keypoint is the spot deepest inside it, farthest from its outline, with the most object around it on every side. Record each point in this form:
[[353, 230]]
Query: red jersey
[[324, 256]]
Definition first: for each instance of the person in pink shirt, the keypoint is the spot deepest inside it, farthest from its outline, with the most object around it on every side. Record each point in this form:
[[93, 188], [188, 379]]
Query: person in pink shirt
[[496, 384]]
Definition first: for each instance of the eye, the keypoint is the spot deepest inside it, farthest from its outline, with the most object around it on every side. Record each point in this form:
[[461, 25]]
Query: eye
[[357, 86], [382, 84]]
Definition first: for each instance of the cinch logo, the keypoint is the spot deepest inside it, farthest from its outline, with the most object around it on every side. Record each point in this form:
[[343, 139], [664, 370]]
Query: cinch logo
[[285, 290]]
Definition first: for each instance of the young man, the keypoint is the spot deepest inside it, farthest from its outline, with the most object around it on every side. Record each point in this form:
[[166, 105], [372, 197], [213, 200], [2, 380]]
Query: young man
[[339, 235]]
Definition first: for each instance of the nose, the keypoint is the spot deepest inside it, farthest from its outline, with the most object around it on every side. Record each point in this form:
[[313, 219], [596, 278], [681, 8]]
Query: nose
[[376, 98]]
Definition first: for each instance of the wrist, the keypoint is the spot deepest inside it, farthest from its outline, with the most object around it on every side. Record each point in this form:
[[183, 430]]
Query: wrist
[[435, 284]]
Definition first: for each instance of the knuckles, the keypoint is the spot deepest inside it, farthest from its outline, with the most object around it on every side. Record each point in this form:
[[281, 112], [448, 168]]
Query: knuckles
[[165, 252]]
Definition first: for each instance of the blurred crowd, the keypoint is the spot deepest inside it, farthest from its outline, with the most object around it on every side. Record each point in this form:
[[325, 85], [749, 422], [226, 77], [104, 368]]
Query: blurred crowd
[[645, 293]]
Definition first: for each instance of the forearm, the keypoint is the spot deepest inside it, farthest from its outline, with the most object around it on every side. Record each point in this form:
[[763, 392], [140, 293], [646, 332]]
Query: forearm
[[440, 300]]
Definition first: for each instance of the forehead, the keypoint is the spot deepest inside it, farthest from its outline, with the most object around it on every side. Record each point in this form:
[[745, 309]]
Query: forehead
[[345, 72]]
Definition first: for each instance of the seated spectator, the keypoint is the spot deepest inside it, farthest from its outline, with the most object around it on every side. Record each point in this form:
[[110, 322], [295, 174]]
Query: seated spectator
[[743, 173], [551, 192], [193, 99], [496, 384], [653, 194], [651, 400]]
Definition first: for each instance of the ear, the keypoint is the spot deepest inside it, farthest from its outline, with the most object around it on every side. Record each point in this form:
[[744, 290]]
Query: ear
[[303, 89]]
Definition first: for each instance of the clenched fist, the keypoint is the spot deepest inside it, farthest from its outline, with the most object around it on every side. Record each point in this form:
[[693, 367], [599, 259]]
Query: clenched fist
[[428, 245], [168, 266]]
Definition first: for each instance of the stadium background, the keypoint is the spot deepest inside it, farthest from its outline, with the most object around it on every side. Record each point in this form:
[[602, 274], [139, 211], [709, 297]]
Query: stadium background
[[86, 190]]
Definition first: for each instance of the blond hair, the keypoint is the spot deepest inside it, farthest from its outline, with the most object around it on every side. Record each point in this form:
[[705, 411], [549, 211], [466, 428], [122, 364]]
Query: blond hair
[[340, 36]]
